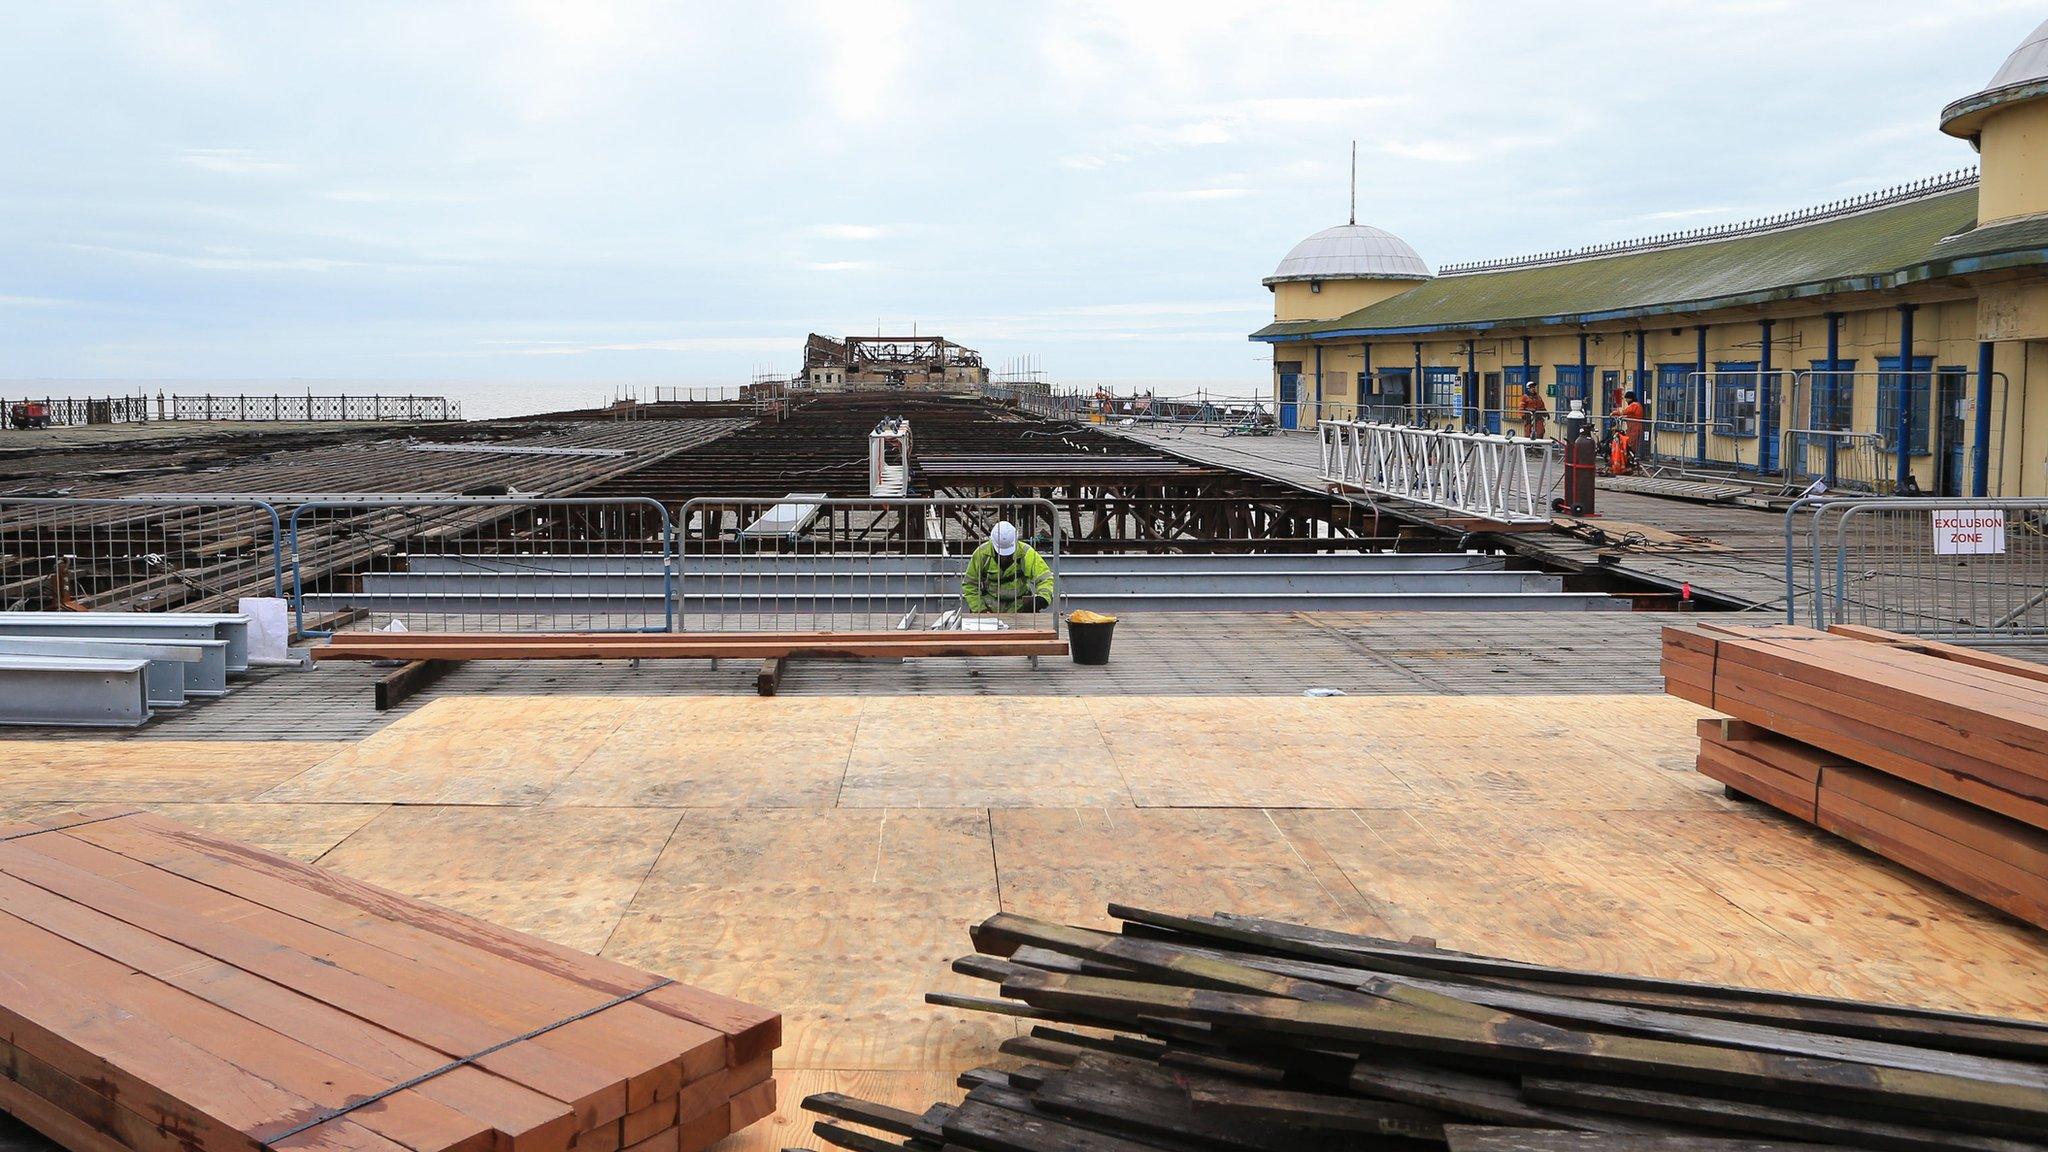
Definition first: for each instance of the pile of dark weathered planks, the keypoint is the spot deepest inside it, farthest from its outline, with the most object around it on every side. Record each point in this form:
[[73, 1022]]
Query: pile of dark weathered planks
[[1230, 1032], [1931, 755], [166, 990]]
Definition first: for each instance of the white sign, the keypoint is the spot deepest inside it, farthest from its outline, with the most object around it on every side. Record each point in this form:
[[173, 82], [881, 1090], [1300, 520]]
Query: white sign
[[1969, 532]]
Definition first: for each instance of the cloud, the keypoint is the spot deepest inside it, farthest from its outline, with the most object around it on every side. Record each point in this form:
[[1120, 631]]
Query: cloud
[[1196, 194], [848, 231], [1428, 151], [841, 266], [234, 162], [782, 343], [34, 302]]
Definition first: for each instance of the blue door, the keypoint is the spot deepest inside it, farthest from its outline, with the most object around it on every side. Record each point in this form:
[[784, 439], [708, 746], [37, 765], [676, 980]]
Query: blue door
[[1290, 399]]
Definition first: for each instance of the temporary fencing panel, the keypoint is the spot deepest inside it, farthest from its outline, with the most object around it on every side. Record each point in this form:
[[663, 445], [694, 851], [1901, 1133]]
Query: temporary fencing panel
[[813, 564], [137, 553], [482, 564]]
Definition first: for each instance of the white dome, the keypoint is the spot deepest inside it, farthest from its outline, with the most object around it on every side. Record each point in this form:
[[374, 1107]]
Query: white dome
[[1351, 252], [2029, 61], [2023, 76]]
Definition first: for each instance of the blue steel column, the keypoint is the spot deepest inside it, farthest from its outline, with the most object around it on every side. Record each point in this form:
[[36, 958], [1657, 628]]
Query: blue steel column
[[1319, 385], [1641, 387], [1585, 385], [1364, 378], [1980, 448], [1700, 402], [1415, 386], [1834, 443], [1766, 403], [1905, 392], [1472, 382]]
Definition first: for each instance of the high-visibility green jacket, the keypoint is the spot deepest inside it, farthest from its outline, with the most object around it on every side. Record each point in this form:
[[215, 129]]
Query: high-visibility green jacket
[[1005, 583]]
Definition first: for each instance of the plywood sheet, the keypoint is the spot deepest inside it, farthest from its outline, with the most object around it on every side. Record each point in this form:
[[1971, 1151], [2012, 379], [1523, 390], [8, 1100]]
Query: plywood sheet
[[1872, 928], [566, 875], [790, 1127], [720, 752], [840, 919], [467, 750], [141, 771], [1068, 865], [1557, 887], [301, 831], [983, 752], [1287, 752]]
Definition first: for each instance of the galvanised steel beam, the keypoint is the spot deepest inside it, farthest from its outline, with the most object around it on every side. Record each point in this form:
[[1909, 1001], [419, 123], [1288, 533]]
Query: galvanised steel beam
[[73, 691]]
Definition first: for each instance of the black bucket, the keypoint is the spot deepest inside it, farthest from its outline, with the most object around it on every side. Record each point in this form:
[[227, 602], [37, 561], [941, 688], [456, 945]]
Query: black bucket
[[1089, 643]]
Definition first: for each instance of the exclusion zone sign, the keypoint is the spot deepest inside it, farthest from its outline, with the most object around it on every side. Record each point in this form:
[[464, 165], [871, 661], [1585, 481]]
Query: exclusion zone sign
[[1969, 532]]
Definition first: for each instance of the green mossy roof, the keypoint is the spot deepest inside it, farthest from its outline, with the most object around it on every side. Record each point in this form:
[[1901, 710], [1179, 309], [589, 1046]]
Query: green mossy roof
[[1853, 252]]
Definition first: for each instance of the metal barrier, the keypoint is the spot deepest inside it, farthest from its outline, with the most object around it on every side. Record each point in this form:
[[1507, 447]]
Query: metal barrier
[[1949, 567], [852, 564], [138, 553], [1504, 478], [1852, 461], [483, 563]]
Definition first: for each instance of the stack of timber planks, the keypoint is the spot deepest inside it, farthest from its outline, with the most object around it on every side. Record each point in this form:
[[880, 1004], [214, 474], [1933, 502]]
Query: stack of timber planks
[[1230, 1032], [1931, 755], [166, 990]]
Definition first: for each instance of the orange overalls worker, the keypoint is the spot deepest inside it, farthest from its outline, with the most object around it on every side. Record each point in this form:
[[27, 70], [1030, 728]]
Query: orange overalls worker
[[1533, 412], [1629, 426]]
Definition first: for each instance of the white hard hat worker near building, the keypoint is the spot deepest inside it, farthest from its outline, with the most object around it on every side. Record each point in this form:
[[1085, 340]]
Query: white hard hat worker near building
[[1006, 575]]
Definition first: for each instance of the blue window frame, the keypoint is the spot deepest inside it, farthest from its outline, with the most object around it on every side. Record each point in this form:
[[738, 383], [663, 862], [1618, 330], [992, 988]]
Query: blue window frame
[[1735, 387], [1571, 385], [1516, 375], [1443, 390], [1832, 398], [1918, 382], [1676, 408]]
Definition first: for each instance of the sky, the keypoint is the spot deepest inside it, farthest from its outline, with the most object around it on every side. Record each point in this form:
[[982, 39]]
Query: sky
[[523, 202]]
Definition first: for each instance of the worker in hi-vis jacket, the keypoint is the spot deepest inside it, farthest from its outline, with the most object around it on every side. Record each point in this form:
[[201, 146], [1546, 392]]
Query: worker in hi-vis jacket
[[1006, 575]]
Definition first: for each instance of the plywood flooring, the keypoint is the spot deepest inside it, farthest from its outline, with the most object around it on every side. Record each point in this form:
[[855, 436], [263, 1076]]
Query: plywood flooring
[[825, 855]]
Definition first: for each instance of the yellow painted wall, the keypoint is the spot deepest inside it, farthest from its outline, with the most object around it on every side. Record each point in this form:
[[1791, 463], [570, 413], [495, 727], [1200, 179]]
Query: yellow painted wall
[[1301, 300], [1945, 330], [2014, 163]]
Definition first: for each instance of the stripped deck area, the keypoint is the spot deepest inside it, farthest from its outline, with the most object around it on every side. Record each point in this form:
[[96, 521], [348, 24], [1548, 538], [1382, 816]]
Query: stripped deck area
[[1156, 654], [824, 856]]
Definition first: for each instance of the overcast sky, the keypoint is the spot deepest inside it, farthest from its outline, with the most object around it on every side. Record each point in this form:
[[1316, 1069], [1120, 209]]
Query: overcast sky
[[583, 192]]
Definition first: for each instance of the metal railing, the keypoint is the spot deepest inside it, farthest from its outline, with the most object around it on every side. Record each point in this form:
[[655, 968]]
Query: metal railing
[[482, 564], [854, 564], [1954, 568], [72, 412], [284, 407], [1504, 478], [137, 553], [1842, 461]]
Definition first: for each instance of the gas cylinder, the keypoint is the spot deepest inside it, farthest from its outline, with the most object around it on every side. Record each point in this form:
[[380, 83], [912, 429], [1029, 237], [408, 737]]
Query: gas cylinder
[[1579, 455]]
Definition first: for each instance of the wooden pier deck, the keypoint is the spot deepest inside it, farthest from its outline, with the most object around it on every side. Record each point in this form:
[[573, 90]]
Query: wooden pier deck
[[824, 855]]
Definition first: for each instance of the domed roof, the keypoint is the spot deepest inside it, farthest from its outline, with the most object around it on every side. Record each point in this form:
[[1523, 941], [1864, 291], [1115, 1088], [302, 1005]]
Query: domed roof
[[2023, 76], [1351, 252]]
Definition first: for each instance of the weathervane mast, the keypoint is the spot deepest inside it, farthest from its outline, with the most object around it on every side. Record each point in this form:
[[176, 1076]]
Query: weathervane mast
[[1354, 182]]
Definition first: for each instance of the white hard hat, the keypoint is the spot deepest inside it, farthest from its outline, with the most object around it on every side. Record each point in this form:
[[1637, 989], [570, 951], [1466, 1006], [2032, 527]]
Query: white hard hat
[[1004, 537]]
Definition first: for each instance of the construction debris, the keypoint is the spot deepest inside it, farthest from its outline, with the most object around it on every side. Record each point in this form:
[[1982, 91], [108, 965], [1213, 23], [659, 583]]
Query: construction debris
[[1233, 1032], [166, 990], [1931, 755]]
